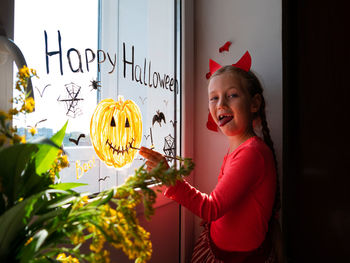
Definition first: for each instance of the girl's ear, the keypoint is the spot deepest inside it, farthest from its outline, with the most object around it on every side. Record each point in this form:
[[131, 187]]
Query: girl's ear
[[256, 103]]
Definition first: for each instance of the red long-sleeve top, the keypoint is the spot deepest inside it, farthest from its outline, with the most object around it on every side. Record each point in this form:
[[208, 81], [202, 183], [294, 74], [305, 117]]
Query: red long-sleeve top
[[240, 206]]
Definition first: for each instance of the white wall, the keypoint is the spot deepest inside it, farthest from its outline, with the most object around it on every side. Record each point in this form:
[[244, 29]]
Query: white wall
[[253, 25]]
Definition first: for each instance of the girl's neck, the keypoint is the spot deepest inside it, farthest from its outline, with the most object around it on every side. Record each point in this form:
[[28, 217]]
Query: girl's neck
[[236, 141]]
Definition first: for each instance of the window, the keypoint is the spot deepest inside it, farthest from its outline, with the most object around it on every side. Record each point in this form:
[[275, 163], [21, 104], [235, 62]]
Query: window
[[86, 51]]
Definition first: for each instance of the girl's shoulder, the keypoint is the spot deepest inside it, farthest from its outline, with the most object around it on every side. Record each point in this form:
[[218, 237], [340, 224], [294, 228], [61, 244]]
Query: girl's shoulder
[[254, 145]]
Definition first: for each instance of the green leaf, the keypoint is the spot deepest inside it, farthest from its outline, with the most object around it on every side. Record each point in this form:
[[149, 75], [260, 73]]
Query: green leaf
[[66, 186], [47, 153], [45, 141], [13, 162], [32, 182], [12, 225], [28, 252]]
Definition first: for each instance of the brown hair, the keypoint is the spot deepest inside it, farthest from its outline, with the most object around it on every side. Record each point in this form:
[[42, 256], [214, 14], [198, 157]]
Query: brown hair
[[254, 87]]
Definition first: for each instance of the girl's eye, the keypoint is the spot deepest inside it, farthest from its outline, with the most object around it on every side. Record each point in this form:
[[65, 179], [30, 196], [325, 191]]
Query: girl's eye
[[213, 98], [234, 95]]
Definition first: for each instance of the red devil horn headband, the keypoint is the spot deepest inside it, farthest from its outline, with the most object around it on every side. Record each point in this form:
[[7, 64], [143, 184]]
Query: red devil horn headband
[[244, 63]]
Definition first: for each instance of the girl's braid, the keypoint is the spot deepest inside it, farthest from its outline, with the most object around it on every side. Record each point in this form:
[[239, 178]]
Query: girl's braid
[[267, 139], [254, 87]]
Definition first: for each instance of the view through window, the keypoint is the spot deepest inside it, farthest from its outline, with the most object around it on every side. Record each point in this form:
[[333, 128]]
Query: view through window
[[85, 51]]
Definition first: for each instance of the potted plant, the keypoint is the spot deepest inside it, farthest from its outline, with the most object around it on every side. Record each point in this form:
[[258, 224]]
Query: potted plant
[[44, 221]]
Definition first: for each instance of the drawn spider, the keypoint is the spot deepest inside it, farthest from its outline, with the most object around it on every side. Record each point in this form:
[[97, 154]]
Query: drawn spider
[[95, 84]]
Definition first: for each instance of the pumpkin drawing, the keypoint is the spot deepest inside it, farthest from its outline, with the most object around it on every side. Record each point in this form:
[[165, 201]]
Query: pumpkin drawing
[[116, 127]]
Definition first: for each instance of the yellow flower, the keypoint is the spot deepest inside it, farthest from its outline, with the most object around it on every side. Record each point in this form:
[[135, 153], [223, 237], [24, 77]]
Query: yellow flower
[[33, 131], [64, 161], [24, 72], [63, 258], [33, 71], [18, 139], [28, 241], [77, 239], [91, 228], [29, 105], [18, 85], [85, 199], [13, 112]]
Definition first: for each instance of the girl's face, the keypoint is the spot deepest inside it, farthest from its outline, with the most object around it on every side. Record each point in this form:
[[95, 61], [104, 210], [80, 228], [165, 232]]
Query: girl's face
[[231, 106]]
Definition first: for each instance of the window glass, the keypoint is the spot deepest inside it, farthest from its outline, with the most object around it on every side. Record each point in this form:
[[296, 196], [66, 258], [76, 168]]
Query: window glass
[[144, 42], [58, 39], [87, 50]]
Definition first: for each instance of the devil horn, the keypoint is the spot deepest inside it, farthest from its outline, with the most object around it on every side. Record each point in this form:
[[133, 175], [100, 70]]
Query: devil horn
[[213, 66], [211, 125], [245, 62]]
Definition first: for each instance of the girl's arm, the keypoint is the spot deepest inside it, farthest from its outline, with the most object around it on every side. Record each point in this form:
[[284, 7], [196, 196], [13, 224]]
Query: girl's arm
[[244, 172]]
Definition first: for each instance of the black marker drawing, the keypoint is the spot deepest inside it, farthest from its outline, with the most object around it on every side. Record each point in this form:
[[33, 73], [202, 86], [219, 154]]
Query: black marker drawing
[[169, 147], [95, 84], [72, 100], [143, 100], [80, 68], [173, 122], [103, 179], [150, 136], [166, 103], [158, 118], [42, 93], [36, 124], [76, 141]]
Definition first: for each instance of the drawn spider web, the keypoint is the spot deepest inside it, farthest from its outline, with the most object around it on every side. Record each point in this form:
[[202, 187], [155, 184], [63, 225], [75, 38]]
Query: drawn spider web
[[169, 147], [72, 100]]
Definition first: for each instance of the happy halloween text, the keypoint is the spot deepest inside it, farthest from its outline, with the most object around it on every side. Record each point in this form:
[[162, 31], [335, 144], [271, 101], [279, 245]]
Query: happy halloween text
[[142, 75]]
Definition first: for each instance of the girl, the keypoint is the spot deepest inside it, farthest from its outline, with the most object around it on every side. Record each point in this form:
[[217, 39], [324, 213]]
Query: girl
[[238, 211]]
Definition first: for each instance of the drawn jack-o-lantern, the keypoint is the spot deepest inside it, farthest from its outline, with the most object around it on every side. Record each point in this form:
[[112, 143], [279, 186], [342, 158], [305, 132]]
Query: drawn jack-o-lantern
[[115, 128]]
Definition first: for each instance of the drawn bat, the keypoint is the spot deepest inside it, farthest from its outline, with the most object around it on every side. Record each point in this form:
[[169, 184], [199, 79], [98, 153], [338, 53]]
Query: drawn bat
[[158, 118], [36, 124], [147, 136], [76, 141], [42, 93], [103, 179], [225, 47], [143, 100], [173, 122]]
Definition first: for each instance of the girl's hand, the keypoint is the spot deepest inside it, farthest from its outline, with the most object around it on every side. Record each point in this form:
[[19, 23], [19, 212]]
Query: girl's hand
[[153, 158]]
